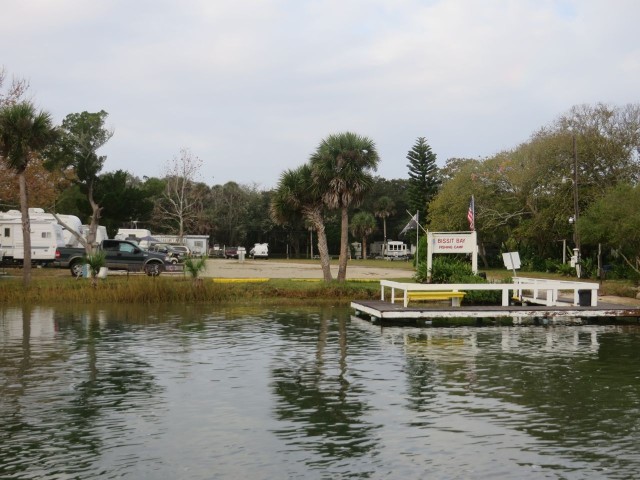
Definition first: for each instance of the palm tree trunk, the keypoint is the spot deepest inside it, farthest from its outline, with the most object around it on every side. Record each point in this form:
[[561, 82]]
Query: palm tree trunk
[[26, 229], [344, 245], [384, 229], [315, 217]]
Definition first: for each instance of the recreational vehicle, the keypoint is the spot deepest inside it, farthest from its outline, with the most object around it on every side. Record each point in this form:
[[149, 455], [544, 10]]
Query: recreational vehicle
[[46, 236], [198, 244], [396, 250], [101, 233], [73, 222], [136, 233]]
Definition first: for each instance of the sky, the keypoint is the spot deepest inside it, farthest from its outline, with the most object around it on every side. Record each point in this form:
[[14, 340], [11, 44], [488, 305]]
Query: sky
[[251, 87]]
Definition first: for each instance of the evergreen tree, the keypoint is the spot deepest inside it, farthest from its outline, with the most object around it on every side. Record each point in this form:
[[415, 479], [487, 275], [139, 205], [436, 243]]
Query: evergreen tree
[[423, 177]]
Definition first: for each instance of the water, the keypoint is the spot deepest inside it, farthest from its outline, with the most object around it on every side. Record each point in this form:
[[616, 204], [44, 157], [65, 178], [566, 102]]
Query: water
[[200, 393]]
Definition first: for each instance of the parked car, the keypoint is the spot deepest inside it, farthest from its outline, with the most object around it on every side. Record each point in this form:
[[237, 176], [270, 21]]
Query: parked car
[[182, 250], [166, 249], [231, 252]]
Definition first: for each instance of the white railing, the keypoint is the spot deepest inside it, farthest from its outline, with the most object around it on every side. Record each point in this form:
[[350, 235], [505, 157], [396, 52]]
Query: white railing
[[542, 285], [550, 288]]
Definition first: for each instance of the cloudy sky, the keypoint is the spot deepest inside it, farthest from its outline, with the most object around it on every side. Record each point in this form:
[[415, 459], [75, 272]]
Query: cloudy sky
[[252, 86]]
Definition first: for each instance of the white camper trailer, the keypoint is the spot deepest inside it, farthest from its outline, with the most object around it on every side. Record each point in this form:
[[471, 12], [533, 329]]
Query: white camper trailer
[[198, 244], [396, 250], [127, 233], [46, 236], [73, 222], [101, 233]]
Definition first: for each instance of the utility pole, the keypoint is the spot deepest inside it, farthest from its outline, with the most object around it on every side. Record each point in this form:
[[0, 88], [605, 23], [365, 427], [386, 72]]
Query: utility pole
[[576, 210]]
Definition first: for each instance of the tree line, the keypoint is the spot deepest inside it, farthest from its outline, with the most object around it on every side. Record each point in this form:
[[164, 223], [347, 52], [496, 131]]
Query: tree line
[[573, 183]]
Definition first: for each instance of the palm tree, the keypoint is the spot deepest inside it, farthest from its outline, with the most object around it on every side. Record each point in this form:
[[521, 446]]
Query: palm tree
[[384, 208], [23, 133], [363, 224], [341, 167], [296, 196]]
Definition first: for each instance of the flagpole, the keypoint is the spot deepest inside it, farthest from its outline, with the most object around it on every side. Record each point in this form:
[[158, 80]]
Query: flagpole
[[417, 236]]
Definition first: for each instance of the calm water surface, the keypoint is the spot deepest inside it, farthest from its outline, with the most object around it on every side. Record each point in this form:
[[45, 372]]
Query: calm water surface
[[202, 393]]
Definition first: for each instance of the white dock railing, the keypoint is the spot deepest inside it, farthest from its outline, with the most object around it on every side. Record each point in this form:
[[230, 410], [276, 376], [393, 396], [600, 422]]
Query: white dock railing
[[550, 288], [542, 285]]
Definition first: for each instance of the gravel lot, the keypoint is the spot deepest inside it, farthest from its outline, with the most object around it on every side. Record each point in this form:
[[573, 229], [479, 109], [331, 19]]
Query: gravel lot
[[273, 269]]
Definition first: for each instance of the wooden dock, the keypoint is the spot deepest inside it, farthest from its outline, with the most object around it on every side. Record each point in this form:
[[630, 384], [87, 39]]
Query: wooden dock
[[382, 310]]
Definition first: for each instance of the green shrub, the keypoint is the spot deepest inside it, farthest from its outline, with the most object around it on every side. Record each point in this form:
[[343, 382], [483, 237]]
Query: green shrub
[[566, 270], [445, 269], [454, 269], [193, 266]]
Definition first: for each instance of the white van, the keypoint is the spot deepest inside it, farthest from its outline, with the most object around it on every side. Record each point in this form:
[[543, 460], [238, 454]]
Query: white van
[[259, 250]]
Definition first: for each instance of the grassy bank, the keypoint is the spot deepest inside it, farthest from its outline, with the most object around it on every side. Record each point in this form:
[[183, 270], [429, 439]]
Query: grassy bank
[[178, 289], [57, 286]]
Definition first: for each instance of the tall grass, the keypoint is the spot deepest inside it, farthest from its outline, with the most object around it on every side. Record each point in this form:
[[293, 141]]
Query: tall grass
[[157, 290]]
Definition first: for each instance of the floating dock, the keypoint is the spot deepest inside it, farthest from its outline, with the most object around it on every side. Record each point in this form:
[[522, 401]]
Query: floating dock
[[378, 310]]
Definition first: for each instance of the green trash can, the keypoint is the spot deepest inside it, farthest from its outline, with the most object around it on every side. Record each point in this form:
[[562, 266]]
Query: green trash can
[[584, 298]]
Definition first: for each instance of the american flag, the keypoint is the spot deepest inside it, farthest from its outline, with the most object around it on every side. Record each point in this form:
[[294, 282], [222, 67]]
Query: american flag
[[471, 215]]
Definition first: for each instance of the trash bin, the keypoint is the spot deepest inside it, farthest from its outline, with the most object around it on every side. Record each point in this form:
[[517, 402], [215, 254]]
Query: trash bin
[[241, 253], [584, 298]]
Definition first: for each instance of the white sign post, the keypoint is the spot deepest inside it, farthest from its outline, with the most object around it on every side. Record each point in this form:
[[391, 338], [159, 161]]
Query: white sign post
[[452, 242], [511, 261]]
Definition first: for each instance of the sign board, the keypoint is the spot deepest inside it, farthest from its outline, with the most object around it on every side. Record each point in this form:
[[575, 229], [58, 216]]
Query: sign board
[[452, 242], [511, 261]]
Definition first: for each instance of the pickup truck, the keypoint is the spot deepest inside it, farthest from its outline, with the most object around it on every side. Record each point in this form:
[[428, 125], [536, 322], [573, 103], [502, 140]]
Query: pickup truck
[[120, 255]]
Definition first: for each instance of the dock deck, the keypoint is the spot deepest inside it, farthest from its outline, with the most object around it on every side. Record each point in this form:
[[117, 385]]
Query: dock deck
[[382, 310]]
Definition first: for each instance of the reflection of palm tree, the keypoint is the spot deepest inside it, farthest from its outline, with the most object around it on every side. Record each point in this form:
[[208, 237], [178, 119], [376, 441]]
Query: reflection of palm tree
[[326, 411]]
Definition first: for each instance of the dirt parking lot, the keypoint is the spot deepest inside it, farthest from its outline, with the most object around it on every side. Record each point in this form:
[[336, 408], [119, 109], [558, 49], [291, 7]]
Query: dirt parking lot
[[273, 269]]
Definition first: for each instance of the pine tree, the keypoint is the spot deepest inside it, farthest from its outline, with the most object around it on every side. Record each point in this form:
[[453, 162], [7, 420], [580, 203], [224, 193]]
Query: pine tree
[[423, 177]]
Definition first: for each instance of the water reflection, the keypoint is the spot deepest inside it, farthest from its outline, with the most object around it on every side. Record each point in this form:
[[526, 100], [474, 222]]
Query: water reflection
[[201, 392], [56, 399], [319, 407]]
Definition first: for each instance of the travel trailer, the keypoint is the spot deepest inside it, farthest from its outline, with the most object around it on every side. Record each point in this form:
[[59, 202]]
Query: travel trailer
[[70, 240], [197, 244], [136, 233], [101, 233], [396, 250], [376, 249], [46, 236]]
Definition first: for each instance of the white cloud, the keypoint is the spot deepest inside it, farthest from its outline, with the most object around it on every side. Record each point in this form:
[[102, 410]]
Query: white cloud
[[252, 87]]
